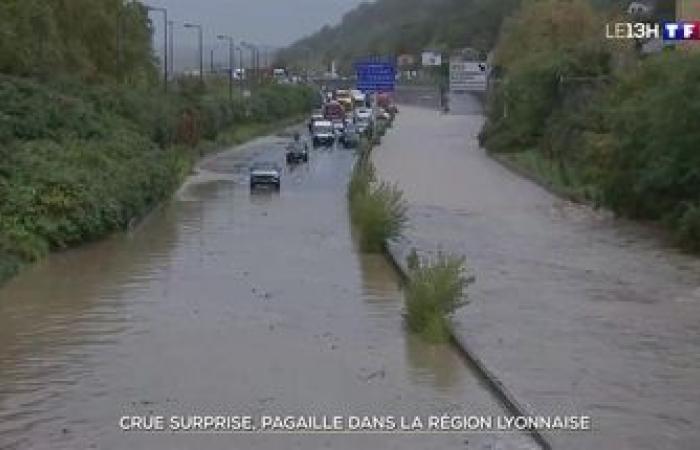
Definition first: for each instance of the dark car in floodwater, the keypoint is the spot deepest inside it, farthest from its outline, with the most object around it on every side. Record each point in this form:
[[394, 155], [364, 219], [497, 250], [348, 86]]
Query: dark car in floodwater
[[351, 136], [297, 152], [265, 173]]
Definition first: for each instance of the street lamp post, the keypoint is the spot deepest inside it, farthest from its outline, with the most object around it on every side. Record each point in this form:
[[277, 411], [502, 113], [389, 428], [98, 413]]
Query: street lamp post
[[241, 73], [230, 63], [258, 65], [171, 47], [165, 42], [201, 56]]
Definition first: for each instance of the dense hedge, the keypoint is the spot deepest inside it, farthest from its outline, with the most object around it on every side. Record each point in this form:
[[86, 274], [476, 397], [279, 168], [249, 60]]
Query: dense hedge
[[650, 160], [79, 161], [606, 124]]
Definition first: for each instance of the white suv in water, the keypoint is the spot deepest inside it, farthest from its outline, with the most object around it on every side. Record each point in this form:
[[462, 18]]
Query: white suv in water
[[323, 133]]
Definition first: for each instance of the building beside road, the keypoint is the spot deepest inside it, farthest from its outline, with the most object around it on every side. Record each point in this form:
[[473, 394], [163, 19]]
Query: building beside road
[[431, 58]]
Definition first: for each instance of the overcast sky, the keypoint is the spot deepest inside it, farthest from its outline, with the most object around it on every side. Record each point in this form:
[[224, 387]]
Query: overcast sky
[[269, 22]]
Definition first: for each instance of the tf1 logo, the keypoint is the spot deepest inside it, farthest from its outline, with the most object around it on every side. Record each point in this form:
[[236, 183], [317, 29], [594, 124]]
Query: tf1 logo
[[681, 31]]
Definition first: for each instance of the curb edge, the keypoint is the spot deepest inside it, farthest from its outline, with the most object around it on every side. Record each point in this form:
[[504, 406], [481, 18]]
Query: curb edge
[[392, 253]]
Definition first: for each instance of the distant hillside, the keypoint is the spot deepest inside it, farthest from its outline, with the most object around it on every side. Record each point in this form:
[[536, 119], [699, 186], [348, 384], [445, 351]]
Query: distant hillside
[[391, 27]]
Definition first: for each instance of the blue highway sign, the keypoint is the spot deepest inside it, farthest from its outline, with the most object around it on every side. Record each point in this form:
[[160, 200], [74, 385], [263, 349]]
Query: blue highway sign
[[375, 76]]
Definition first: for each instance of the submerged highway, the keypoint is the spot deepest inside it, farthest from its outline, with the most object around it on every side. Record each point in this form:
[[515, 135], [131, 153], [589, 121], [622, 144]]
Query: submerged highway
[[226, 301]]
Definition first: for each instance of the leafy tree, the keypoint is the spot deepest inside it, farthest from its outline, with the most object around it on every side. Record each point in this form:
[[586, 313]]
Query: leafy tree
[[75, 37]]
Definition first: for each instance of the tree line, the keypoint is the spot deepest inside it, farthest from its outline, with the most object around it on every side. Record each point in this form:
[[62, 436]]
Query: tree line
[[393, 27], [599, 118], [87, 145], [93, 40]]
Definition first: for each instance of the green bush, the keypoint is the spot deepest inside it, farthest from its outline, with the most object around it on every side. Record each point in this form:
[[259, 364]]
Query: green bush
[[78, 161], [604, 123], [62, 193], [434, 291], [651, 161], [377, 209], [688, 228]]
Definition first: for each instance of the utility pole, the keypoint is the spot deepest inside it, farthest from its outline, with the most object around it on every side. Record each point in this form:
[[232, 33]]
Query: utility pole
[[165, 42], [201, 56], [231, 46]]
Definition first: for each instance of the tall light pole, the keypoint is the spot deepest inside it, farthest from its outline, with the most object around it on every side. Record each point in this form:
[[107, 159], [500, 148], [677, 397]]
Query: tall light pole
[[241, 73], [165, 41], [211, 60], [257, 64], [231, 46], [171, 47], [201, 56]]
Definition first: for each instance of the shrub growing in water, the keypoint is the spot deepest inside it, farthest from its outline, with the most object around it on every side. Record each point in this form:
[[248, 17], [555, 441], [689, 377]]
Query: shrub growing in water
[[434, 292], [377, 209]]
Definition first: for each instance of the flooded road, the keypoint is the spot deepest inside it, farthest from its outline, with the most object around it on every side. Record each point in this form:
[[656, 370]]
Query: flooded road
[[225, 302], [577, 312]]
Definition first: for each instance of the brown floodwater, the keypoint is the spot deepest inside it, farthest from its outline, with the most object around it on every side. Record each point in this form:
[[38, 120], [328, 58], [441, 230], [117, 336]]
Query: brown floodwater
[[577, 312], [229, 302]]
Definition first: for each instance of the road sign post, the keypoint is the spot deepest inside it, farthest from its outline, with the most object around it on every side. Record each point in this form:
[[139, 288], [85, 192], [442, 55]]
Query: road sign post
[[468, 76]]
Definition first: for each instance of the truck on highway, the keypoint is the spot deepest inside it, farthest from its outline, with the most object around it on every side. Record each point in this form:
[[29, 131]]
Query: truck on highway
[[344, 97], [334, 111], [359, 100]]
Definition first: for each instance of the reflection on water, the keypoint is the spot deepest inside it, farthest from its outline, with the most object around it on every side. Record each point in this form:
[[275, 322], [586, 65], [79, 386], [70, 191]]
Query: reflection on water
[[435, 364], [438, 364], [221, 300]]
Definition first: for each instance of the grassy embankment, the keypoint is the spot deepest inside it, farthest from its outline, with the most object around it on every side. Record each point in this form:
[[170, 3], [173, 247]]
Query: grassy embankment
[[435, 288], [596, 120], [80, 161], [89, 142]]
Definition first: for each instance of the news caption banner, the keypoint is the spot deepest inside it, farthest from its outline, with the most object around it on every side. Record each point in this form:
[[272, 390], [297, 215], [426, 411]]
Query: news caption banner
[[348, 424]]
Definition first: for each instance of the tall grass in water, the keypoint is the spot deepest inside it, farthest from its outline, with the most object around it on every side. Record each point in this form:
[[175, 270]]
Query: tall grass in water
[[435, 290], [377, 209]]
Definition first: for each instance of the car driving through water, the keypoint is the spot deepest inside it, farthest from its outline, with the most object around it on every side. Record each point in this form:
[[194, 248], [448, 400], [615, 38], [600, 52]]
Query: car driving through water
[[265, 173], [323, 133], [297, 151]]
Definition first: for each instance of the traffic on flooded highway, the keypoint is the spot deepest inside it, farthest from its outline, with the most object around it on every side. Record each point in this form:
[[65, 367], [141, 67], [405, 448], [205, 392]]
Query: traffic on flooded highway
[[386, 224], [226, 300]]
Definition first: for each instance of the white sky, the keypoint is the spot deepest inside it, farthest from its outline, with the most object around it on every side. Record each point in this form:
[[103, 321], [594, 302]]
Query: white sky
[[275, 23]]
